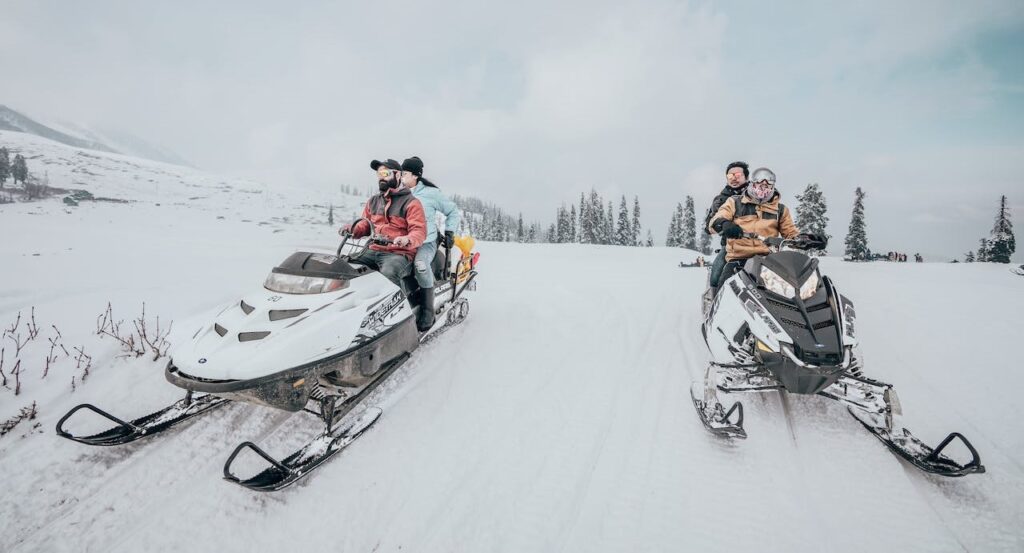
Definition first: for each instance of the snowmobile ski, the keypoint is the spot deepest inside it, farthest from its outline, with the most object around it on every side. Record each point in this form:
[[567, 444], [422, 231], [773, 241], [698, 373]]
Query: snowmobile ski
[[920, 454], [715, 417], [153, 423], [281, 474]]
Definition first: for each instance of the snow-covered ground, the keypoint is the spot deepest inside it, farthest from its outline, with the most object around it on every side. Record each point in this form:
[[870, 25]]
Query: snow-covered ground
[[556, 418]]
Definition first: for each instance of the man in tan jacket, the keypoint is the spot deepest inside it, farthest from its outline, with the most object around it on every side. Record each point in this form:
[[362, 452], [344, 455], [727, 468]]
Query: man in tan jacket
[[756, 211]]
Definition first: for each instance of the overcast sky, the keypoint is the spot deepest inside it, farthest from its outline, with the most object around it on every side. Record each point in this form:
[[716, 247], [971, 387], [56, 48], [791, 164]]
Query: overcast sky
[[528, 103]]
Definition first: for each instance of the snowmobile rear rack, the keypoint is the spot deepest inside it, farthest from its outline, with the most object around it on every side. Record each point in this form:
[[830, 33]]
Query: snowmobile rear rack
[[141, 427]]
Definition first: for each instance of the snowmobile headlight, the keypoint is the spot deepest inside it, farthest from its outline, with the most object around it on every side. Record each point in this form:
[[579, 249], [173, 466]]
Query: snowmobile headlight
[[810, 286], [776, 284], [295, 284]]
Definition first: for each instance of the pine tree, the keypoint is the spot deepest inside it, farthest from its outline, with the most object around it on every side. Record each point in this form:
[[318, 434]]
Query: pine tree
[[857, 236], [330, 215], [609, 225], [595, 210], [688, 237], [672, 238], [982, 255], [19, 169], [624, 234], [5, 166], [680, 221], [561, 226], [520, 231], [650, 239], [969, 258], [552, 236], [1002, 244], [585, 230], [705, 242], [811, 212], [635, 226], [573, 233]]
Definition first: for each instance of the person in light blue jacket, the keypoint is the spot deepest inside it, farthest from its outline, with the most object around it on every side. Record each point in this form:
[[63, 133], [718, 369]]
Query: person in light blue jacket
[[434, 202]]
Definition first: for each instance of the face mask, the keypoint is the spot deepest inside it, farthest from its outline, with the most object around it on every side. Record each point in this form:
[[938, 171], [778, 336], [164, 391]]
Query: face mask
[[761, 191]]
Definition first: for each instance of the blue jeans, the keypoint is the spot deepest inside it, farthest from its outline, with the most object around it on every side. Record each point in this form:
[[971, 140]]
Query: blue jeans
[[422, 265], [717, 267]]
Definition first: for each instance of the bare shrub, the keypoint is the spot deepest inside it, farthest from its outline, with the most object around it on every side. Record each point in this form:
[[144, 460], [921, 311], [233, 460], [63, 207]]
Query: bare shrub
[[26, 413], [144, 338]]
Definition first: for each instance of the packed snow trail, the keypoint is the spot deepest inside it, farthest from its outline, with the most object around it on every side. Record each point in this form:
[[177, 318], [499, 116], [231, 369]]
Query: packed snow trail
[[555, 418]]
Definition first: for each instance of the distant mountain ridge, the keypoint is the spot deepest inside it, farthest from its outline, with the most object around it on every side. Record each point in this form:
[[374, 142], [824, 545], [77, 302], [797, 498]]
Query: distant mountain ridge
[[11, 120], [114, 142]]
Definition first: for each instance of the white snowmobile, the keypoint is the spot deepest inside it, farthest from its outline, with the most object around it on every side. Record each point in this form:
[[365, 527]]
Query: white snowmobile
[[319, 336], [777, 324]]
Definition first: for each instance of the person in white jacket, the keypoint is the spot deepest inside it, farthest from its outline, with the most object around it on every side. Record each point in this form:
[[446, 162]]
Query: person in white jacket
[[434, 202]]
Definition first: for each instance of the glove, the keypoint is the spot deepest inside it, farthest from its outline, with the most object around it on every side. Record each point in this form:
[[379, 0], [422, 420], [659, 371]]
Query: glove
[[347, 229], [449, 238], [814, 238], [731, 230]]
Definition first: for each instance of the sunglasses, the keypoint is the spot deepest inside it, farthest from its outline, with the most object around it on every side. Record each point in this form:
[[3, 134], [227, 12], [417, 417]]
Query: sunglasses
[[385, 173], [765, 182]]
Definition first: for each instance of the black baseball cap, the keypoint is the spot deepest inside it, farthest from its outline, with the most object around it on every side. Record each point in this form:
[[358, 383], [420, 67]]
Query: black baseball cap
[[389, 163]]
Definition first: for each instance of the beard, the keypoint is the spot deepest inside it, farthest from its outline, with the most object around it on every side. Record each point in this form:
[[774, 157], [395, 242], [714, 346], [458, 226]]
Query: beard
[[385, 185]]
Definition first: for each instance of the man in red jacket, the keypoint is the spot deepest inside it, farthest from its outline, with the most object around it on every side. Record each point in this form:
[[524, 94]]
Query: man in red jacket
[[396, 214]]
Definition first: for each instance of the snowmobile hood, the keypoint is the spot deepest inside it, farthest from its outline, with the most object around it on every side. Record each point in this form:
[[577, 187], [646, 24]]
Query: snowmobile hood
[[267, 332]]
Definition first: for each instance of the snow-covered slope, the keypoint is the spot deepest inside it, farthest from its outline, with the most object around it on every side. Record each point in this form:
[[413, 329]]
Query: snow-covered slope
[[557, 418]]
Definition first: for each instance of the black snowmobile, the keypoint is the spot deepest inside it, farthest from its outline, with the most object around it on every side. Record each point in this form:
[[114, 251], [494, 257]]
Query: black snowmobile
[[777, 324]]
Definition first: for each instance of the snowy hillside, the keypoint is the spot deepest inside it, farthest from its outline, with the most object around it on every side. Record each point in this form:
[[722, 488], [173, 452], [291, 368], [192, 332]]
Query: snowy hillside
[[557, 418]]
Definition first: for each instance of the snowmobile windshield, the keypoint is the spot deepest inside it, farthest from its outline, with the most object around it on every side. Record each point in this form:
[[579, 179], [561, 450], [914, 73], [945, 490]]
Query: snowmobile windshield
[[295, 284], [785, 273], [311, 273]]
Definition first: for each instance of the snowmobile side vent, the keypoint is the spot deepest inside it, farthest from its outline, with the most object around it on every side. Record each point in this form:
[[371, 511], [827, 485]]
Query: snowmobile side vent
[[246, 307], [279, 314], [251, 336], [220, 330]]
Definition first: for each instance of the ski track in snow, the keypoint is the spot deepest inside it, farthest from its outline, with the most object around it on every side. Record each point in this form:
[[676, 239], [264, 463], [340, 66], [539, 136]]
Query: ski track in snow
[[557, 417]]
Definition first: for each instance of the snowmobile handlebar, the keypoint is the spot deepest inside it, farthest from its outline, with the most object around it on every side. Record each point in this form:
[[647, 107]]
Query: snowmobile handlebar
[[373, 238], [800, 242]]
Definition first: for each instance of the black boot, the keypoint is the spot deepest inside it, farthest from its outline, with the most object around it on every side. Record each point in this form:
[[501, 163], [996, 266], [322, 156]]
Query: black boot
[[425, 318]]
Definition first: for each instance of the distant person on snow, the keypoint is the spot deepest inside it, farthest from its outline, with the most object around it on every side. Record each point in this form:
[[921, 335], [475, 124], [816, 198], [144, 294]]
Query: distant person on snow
[[757, 211], [736, 175], [433, 202], [397, 215]]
